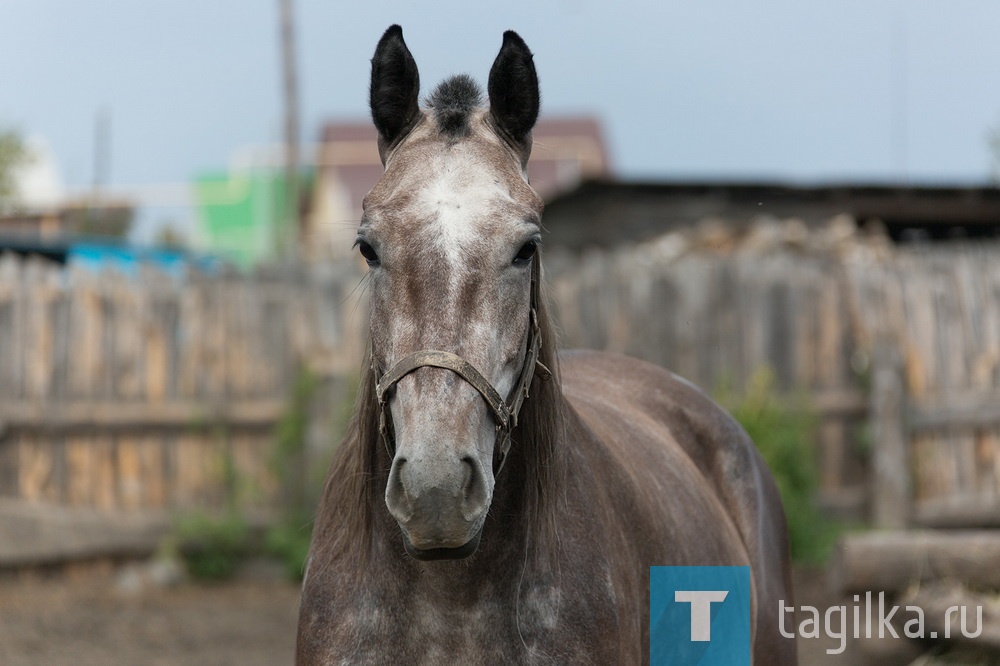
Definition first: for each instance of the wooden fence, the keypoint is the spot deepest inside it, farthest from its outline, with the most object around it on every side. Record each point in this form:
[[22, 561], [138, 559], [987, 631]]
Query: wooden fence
[[823, 310], [131, 391], [143, 391], [933, 318]]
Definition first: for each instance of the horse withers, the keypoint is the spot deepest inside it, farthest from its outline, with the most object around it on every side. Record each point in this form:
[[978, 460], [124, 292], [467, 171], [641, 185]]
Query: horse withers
[[494, 502]]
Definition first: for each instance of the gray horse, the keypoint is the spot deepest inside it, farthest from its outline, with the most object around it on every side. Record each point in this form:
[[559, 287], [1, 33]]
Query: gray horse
[[494, 502]]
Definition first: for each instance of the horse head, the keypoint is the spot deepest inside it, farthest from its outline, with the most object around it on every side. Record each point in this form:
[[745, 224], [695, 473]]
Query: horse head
[[450, 233]]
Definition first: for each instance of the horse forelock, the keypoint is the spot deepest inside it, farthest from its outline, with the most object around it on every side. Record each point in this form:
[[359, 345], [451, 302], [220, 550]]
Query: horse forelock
[[452, 104]]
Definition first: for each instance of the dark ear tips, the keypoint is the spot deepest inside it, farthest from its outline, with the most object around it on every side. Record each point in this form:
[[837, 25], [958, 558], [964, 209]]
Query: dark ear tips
[[395, 87], [513, 89], [512, 38], [395, 90]]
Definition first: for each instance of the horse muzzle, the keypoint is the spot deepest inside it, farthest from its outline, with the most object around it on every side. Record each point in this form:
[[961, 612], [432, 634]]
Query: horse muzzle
[[440, 506]]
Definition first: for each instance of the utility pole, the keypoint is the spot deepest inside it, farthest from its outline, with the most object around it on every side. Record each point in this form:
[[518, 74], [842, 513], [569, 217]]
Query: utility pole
[[289, 233]]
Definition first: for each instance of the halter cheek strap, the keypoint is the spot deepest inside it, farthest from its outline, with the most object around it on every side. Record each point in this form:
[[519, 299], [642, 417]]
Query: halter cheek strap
[[504, 411]]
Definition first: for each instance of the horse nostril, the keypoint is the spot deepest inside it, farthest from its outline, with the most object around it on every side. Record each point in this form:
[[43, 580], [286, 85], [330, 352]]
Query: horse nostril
[[475, 490], [469, 485], [396, 497]]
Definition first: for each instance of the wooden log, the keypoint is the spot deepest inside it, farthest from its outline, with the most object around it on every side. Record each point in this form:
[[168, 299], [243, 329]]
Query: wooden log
[[955, 409], [892, 561], [839, 403], [33, 534], [81, 414], [957, 512]]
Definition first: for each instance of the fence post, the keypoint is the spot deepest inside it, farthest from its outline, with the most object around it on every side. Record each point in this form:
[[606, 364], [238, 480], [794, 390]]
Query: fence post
[[891, 483]]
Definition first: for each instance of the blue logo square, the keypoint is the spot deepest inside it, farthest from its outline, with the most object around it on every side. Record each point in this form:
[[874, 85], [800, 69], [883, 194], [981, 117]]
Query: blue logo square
[[699, 616]]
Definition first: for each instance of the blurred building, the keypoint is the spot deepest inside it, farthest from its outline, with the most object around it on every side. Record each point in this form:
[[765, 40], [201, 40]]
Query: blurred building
[[566, 152], [606, 213], [242, 215], [42, 215]]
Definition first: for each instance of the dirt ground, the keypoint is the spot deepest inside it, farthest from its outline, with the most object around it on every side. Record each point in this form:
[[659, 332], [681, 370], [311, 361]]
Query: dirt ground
[[96, 620], [92, 621]]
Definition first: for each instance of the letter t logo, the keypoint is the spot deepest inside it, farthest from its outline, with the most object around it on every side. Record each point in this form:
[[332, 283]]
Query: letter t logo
[[701, 610]]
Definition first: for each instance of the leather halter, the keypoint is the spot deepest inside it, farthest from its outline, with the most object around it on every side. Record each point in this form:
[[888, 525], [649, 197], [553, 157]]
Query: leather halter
[[504, 411]]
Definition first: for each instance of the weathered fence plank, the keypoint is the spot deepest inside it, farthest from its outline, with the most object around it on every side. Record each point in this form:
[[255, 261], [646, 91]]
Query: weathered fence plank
[[191, 415], [892, 487]]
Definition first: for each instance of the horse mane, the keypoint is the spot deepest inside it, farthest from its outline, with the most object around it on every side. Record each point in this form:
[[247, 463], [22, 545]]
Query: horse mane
[[453, 102], [535, 454], [353, 487]]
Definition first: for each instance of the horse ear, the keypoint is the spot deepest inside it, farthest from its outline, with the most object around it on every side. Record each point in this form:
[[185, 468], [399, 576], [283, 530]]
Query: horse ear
[[513, 90], [395, 88]]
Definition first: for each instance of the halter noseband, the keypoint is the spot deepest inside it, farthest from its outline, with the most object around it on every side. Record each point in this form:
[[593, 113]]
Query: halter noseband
[[504, 411]]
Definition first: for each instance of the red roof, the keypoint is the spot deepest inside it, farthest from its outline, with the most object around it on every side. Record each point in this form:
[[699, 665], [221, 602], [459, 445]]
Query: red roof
[[566, 151]]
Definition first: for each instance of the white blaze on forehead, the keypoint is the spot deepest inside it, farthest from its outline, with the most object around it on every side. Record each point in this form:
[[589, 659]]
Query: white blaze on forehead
[[456, 199]]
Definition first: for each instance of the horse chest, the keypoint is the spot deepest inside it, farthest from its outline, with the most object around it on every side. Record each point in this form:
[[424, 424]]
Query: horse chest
[[542, 627], [439, 633]]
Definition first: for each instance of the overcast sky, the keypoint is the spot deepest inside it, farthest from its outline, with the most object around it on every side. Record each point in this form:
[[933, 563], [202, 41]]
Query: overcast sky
[[801, 90]]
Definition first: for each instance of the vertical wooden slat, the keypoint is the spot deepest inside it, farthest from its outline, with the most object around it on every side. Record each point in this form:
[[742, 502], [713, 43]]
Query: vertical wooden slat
[[832, 456], [79, 470], [141, 478], [9, 349], [104, 456], [131, 477], [10, 483], [984, 466], [892, 487]]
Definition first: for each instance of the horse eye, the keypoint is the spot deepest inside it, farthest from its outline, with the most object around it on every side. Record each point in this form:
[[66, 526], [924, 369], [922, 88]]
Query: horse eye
[[368, 253], [526, 252]]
